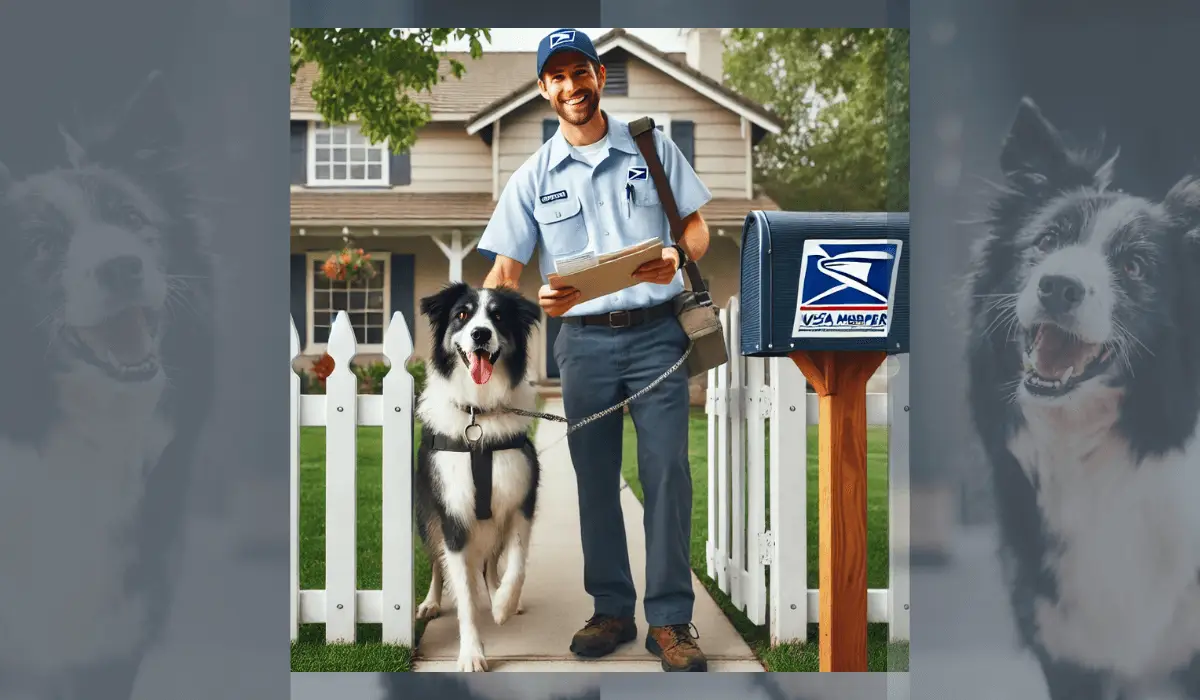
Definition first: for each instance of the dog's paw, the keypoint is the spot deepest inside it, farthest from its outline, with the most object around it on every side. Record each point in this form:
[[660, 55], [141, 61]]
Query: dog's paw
[[471, 659], [428, 610], [506, 604]]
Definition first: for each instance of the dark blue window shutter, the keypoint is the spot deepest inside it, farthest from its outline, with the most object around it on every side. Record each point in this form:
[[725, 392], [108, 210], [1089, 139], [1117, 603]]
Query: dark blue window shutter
[[403, 290], [549, 126], [616, 78], [683, 133], [299, 153], [400, 168], [299, 290]]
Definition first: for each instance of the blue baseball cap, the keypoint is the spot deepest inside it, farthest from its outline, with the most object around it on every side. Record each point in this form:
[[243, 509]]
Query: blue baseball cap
[[564, 40]]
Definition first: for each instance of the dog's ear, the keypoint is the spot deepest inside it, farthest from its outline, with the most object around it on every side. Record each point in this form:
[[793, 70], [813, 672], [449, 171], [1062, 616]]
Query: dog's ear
[[1033, 148], [1183, 200], [529, 313], [1183, 206], [436, 305], [1035, 154], [76, 154], [144, 135]]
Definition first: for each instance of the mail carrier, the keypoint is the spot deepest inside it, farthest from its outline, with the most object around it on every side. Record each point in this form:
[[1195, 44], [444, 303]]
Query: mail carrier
[[824, 281]]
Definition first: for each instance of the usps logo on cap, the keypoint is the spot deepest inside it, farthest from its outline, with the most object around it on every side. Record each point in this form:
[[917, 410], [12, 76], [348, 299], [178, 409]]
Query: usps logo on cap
[[560, 38], [636, 174], [847, 288]]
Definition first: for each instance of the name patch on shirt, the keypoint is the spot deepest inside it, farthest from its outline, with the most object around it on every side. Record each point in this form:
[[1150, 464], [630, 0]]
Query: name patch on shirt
[[636, 174], [547, 198]]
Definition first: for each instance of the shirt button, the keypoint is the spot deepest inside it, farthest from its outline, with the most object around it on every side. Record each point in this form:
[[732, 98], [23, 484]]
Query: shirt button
[[601, 203], [558, 214]]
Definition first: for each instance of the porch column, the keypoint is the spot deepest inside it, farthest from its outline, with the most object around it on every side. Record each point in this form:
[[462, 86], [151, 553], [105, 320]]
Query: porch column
[[455, 252]]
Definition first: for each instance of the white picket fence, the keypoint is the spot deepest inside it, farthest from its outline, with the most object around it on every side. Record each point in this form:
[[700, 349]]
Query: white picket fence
[[341, 410], [740, 548], [743, 395]]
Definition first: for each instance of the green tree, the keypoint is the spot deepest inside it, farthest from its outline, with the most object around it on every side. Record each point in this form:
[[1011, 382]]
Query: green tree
[[376, 75], [843, 95]]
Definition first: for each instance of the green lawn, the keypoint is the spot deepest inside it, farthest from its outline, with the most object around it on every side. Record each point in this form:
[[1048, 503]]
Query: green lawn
[[789, 657], [310, 653]]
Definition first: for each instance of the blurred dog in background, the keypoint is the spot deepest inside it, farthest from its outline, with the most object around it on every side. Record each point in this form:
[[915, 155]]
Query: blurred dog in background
[[1085, 389], [106, 305]]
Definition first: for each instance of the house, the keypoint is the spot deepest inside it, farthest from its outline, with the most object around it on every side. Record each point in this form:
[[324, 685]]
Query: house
[[420, 213]]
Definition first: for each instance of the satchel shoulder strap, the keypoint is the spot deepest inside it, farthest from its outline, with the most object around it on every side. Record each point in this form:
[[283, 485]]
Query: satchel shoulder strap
[[642, 131]]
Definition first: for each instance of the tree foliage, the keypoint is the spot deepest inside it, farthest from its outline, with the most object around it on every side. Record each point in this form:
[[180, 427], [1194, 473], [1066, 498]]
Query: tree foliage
[[376, 75], [843, 97]]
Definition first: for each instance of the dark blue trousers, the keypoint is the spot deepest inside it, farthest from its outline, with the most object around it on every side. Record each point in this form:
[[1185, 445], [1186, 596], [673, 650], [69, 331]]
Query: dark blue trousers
[[600, 367]]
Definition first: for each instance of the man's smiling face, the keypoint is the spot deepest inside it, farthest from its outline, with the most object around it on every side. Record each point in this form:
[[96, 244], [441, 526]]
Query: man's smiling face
[[572, 84]]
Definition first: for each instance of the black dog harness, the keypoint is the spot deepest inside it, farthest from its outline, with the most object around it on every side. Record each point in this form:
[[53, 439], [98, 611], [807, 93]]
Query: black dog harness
[[481, 458]]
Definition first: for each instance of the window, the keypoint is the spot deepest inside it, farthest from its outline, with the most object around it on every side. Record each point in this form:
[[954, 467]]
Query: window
[[366, 302], [661, 121], [341, 156]]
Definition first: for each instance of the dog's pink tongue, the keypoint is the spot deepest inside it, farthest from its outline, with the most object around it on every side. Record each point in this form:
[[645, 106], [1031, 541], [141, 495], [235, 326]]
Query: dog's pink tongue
[[481, 368], [1056, 351]]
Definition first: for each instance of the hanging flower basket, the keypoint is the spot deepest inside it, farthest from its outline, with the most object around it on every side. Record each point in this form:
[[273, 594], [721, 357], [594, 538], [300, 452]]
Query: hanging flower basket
[[348, 265]]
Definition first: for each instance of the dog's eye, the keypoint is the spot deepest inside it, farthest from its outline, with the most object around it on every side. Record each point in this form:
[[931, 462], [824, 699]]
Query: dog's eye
[[462, 315], [1046, 241], [133, 218], [1134, 267]]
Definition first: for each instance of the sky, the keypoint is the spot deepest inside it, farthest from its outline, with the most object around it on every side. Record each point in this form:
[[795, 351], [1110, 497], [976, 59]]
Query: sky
[[671, 39]]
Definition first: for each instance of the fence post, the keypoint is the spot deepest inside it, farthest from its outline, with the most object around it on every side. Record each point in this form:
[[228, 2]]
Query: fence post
[[737, 462], [722, 558], [756, 482], [294, 489], [398, 426], [789, 503], [712, 403], [341, 490], [898, 501]]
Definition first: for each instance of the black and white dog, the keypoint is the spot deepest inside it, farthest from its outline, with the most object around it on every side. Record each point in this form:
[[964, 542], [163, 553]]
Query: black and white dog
[[474, 505], [108, 324], [1084, 363]]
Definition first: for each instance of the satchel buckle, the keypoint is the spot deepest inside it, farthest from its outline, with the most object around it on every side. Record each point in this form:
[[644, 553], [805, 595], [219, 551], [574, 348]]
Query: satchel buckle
[[703, 298], [614, 315]]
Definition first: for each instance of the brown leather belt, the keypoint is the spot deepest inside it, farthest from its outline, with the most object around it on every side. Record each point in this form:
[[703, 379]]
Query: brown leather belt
[[624, 319]]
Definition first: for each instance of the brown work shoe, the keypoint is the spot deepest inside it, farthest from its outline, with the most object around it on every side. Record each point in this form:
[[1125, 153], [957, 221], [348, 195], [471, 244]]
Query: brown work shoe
[[676, 647], [602, 635]]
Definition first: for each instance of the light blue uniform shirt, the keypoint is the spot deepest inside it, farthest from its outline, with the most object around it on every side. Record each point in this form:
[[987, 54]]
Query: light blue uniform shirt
[[560, 205]]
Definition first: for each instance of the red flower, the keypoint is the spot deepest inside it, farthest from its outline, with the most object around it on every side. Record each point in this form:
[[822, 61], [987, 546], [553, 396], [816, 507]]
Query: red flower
[[323, 367]]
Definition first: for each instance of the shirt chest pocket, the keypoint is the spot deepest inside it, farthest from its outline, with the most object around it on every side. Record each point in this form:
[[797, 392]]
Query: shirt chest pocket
[[562, 226], [643, 193], [643, 208]]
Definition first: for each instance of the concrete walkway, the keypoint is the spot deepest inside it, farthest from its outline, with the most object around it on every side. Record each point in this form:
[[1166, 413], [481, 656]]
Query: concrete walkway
[[554, 600]]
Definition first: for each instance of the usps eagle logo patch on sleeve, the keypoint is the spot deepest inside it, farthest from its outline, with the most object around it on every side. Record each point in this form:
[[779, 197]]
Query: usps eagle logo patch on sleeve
[[559, 38], [847, 288]]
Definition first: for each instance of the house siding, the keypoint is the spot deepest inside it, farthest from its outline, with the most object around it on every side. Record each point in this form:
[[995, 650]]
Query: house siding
[[446, 159], [719, 145]]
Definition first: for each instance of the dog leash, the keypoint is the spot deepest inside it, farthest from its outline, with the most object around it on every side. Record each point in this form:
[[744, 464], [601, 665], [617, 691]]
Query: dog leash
[[594, 417], [608, 411]]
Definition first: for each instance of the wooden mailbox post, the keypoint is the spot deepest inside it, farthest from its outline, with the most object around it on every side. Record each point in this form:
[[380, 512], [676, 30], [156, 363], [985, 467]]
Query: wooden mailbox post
[[830, 291]]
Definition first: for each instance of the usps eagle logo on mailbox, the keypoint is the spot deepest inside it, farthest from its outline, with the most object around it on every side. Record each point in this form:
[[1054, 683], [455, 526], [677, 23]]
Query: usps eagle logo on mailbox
[[846, 288]]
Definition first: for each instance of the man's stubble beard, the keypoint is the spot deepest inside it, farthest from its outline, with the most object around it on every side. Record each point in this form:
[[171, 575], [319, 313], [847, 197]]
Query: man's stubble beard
[[593, 106]]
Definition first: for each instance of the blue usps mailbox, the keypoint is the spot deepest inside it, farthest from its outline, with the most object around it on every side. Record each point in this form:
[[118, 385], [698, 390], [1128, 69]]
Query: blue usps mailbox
[[824, 281], [830, 292]]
